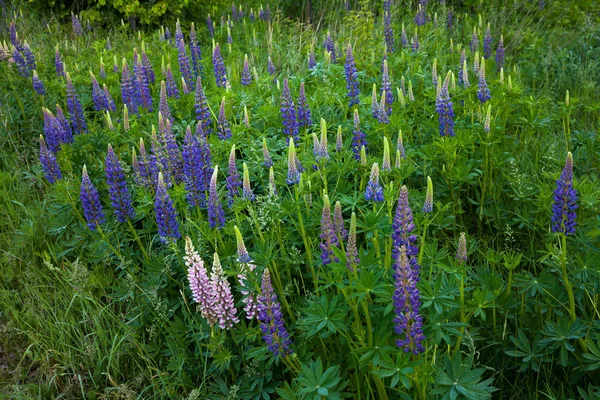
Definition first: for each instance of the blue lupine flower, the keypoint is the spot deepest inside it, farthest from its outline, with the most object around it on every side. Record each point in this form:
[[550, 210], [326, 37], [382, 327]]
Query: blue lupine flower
[[216, 215], [374, 191], [246, 188], [52, 130], [77, 29], [234, 182], [483, 92], [351, 77], [500, 54], [166, 215], [272, 325], [172, 90], [487, 43], [246, 77], [203, 115], [329, 239], [49, 163], [329, 46], [223, 129], [193, 165], [117, 187], [474, 41], [293, 175], [443, 106], [268, 161], [386, 87], [75, 109], [352, 259], [359, 139], [219, 67], [127, 88], [303, 109], [90, 202], [565, 201], [288, 113], [184, 63], [388, 32]]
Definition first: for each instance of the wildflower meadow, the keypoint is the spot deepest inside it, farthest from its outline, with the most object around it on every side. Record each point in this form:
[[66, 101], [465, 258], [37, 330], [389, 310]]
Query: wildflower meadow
[[362, 199]]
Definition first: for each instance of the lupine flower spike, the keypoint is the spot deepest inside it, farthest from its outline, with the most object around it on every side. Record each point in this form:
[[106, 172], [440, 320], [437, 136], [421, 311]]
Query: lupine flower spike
[[351, 77], [386, 164], [461, 252], [271, 318], [216, 215], [90, 202], [444, 109], [224, 131], [374, 191], [38, 85], [428, 205], [166, 215], [246, 188], [338, 222], [565, 201], [246, 77], [358, 137], [202, 291], [483, 92], [233, 178], [193, 165], [49, 163], [224, 308], [500, 54], [339, 140], [293, 175], [352, 259], [374, 103], [288, 113], [75, 110], [246, 268], [203, 115], [303, 112], [117, 187], [219, 67], [328, 236], [386, 88], [268, 161]]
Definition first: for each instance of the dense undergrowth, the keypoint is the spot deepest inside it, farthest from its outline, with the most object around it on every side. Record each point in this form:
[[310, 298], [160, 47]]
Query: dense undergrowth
[[91, 307]]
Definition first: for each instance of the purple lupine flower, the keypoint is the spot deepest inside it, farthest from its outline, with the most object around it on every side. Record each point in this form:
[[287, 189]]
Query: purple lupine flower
[[303, 109], [407, 301], [312, 61], [359, 139], [388, 32], [271, 67], [210, 26], [148, 67], [474, 41], [329, 46], [223, 129], [267, 14], [224, 308], [203, 115], [166, 215], [487, 43], [500, 54], [167, 33], [352, 259], [102, 70], [374, 103], [207, 168], [428, 205], [147, 168], [14, 39], [338, 222], [98, 95], [184, 63], [382, 115], [49, 163], [38, 85], [52, 131], [246, 188], [565, 201], [461, 251], [20, 62], [200, 286], [402, 228], [293, 175], [386, 87], [449, 18], [171, 158], [219, 67], [328, 236], [58, 64], [400, 145], [443, 106], [339, 140], [234, 182], [77, 29], [216, 215], [127, 88], [351, 77], [246, 77], [483, 92], [75, 109], [178, 32], [117, 187], [404, 38], [172, 90], [288, 113], [163, 105], [90, 202], [374, 191], [142, 87], [29, 57], [110, 103], [415, 42], [461, 71], [246, 268], [252, 16], [65, 132], [420, 18], [193, 165], [272, 325], [268, 161]]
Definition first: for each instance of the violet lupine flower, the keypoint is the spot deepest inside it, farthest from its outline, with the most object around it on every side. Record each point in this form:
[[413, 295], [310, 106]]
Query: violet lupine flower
[[29, 57], [172, 90], [428, 205], [58, 64], [246, 188], [210, 26], [110, 103], [98, 95], [216, 215], [461, 251], [329, 46], [388, 32], [487, 43], [75, 109], [184, 87], [127, 88], [20, 62], [14, 39], [148, 67], [224, 308], [483, 92], [271, 67], [374, 191], [193, 170], [169, 143], [142, 87], [402, 228], [167, 33], [443, 107], [234, 182], [90, 202], [184, 63], [288, 113], [166, 215], [200, 286], [420, 18], [374, 103], [219, 67], [407, 301], [351, 77], [328, 236], [303, 109], [338, 222], [77, 29], [246, 267], [400, 145], [352, 259], [223, 131], [272, 325], [312, 61], [358, 137], [449, 20], [246, 77], [382, 115], [474, 41], [386, 87], [565, 201], [65, 132], [178, 32], [293, 175], [117, 187], [147, 169], [500, 54], [163, 105], [49, 163], [52, 130], [207, 168], [339, 140], [404, 38], [461, 71], [268, 161], [415, 42], [202, 110]]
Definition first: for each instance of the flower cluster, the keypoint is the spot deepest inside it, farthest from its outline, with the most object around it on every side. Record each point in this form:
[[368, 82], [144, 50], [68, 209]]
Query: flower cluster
[[443, 106], [117, 187], [565, 201], [271, 318]]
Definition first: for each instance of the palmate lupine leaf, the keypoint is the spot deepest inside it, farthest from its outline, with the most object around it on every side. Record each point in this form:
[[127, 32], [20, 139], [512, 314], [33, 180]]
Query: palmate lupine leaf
[[324, 317], [315, 382], [457, 380], [531, 355]]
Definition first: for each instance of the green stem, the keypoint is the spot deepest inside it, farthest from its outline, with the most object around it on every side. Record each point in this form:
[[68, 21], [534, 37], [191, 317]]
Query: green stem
[[462, 309], [137, 239], [568, 287]]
